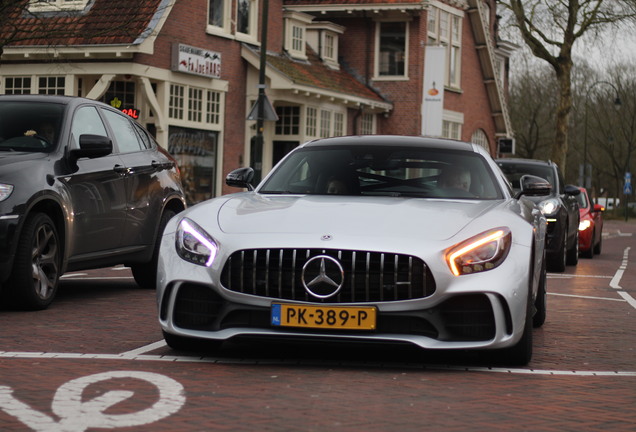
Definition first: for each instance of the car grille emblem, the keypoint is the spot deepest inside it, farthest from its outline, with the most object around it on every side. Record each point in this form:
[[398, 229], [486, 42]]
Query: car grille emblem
[[322, 276], [326, 237]]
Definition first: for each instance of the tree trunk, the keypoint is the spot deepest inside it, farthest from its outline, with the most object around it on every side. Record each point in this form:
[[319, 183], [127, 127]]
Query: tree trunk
[[564, 107]]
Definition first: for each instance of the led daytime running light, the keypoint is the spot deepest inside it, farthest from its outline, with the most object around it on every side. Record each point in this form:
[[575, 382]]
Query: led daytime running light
[[188, 228], [496, 236]]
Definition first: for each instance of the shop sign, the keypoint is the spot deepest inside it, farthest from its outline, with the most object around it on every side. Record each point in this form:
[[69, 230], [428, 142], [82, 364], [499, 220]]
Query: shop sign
[[197, 61]]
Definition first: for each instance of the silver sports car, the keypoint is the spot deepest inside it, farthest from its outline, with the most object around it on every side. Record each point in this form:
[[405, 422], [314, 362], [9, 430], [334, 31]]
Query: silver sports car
[[367, 238]]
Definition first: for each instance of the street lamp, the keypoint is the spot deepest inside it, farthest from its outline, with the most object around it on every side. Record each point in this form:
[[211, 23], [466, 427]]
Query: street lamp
[[587, 177]]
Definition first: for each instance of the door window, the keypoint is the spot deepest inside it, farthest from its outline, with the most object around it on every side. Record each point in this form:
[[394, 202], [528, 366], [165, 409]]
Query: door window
[[86, 121], [124, 131]]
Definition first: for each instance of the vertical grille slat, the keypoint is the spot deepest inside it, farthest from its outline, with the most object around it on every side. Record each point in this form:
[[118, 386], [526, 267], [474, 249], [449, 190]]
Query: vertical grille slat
[[369, 277]]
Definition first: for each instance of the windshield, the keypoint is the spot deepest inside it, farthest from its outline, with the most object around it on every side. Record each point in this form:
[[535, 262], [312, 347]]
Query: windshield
[[581, 199], [29, 126], [384, 170], [514, 172]]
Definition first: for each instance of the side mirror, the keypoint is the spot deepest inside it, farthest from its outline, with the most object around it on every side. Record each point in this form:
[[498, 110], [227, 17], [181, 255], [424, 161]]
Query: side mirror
[[241, 177], [534, 186], [598, 208], [92, 146], [572, 190]]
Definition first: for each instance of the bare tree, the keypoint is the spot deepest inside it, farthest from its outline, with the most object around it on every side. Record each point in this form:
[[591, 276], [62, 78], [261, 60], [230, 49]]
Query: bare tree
[[531, 112], [550, 29]]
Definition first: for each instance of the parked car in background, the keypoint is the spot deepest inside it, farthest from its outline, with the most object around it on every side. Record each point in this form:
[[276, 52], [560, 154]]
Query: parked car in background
[[81, 186], [371, 238], [590, 226], [560, 208]]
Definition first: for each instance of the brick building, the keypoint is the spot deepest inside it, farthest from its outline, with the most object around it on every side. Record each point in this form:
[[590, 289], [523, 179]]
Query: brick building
[[189, 71]]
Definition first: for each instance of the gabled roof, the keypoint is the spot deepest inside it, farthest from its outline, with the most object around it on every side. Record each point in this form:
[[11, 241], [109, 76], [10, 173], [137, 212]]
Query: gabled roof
[[102, 22], [313, 76]]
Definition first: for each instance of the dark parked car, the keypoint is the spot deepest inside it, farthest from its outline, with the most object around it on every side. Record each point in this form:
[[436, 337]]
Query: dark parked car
[[591, 226], [81, 186], [560, 208]]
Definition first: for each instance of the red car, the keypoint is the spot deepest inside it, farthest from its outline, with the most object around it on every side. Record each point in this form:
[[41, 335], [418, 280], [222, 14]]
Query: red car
[[590, 225]]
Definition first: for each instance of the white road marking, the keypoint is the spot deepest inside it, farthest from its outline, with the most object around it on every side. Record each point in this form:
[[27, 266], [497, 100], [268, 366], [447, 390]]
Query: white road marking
[[571, 276], [77, 414], [586, 297], [615, 282], [144, 349]]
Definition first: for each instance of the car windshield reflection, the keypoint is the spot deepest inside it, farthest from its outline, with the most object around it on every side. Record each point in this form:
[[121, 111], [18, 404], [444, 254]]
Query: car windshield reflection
[[383, 171]]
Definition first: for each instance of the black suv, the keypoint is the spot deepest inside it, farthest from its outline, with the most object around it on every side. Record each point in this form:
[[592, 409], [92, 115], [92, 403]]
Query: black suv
[[81, 186], [560, 208]]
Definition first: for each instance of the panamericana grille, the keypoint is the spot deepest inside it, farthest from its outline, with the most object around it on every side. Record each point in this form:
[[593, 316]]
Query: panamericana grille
[[368, 276]]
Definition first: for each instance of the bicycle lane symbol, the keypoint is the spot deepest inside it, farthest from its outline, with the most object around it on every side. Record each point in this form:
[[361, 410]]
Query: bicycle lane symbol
[[77, 415]]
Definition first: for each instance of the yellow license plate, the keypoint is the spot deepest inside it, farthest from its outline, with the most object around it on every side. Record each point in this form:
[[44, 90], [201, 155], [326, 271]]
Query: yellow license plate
[[323, 317]]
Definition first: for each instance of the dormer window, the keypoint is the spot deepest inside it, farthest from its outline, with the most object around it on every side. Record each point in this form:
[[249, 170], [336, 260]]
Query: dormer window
[[323, 37], [57, 5], [296, 33]]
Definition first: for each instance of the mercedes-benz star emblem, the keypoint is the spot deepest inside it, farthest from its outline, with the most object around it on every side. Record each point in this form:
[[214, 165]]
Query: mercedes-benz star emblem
[[322, 276]]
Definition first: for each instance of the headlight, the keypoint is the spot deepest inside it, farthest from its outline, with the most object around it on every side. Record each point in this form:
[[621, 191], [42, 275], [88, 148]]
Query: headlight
[[480, 253], [5, 191], [194, 244], [549, 206], [584, 224]]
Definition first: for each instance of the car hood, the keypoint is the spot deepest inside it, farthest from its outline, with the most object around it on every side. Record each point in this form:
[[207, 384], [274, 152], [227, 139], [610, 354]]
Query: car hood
[[434, 219]]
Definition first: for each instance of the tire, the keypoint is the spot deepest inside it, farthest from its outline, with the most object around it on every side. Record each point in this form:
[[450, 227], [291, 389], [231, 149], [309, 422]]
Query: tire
[[541, 302], [573, 252], [146, 274], [36, 270], [183, 343], [590, 252], [599, 245], [558, 261], [520, 354]]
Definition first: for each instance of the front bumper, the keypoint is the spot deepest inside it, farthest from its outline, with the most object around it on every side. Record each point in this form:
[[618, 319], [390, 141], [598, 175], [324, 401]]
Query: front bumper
[[486, 310]]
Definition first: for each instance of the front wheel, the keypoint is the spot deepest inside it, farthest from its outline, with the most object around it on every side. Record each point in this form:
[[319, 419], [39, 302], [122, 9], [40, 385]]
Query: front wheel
[[573, 252], [146, 274], [558, 260], [36, 270]]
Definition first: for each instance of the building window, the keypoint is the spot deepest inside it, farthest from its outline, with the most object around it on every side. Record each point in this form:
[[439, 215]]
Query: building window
[[329, 47], [480, 138], [367, 124], [296, 24], [338, 124], [312, 116], [325, 123], [392, 49], [246, 17], [451, 130], [120, 94], [216, 13], [17, 85], [175, 106], [445, 28], [288, 120], [51, 85], [195, 104], [213, 112], [298, 38]]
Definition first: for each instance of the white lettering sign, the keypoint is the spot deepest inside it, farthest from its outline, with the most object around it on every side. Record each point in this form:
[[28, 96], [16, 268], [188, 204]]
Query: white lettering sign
[[197, 61]]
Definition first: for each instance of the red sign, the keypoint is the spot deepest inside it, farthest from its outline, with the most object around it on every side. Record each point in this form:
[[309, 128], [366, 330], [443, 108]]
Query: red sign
[[132, 112]]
